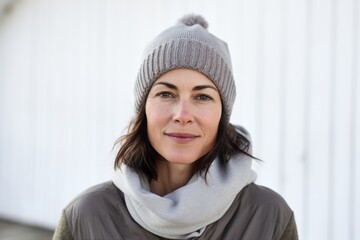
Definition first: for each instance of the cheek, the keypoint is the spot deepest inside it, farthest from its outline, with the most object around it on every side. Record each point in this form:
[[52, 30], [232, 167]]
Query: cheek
[[213, 126], [156, 116], [210, 126], [153, 113], [151, 121], [211, 118]]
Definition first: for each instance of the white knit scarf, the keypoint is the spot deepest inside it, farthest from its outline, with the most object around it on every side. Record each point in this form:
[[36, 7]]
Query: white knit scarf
[[185, 212]]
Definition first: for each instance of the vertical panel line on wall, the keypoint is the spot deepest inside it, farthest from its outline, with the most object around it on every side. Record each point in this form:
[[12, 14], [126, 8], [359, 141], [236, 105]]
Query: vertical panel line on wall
[[33, 113], [260, 74], [306, 127], [332, 114], [283, 94], [353, 123]]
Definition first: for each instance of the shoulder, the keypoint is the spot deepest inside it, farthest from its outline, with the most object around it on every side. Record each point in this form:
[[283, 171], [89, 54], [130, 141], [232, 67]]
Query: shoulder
[[265, 202], [93, 197], [98, 213], [94, 201], [259, 196], [256, 213], [265, 209]]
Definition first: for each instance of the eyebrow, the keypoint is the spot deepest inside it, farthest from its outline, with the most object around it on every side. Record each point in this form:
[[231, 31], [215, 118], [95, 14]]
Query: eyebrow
[[196, 88]]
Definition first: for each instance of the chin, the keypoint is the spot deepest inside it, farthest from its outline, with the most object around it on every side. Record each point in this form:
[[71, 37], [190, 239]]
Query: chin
[[181, 159]]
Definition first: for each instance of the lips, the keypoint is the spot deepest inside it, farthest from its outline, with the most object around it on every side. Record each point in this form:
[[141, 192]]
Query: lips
[[182, 138]]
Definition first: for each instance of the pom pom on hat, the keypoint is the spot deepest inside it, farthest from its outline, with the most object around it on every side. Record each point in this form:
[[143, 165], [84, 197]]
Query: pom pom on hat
[[192, 19]]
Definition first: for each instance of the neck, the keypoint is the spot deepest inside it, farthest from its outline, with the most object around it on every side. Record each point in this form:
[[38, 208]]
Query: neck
[[171, 176]]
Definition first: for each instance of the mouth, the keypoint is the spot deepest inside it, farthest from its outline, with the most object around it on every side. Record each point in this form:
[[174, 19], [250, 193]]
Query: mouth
[[182, 138]]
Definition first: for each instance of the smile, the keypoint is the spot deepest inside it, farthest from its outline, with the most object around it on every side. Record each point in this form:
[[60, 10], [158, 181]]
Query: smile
[[182, 138]]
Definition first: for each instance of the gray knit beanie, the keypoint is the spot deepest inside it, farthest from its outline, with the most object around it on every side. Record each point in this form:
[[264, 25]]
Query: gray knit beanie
[[187, 45]]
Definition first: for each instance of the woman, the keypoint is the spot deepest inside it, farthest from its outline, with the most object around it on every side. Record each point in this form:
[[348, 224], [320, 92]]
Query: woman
[[182, 171]]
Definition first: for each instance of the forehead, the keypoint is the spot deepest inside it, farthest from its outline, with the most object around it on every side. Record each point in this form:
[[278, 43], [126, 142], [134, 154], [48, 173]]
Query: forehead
[[185, 77]]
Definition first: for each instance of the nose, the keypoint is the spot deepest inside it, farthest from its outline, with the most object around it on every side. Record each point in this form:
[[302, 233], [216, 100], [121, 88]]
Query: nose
[[183, 112]]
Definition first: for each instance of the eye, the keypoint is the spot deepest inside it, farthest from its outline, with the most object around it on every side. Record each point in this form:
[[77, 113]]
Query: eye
[[165, 95], [203, 97]]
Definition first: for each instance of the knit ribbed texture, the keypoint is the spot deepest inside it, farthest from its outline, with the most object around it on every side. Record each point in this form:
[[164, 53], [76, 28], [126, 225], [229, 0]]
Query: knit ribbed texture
[[191, 47], [185, 212]]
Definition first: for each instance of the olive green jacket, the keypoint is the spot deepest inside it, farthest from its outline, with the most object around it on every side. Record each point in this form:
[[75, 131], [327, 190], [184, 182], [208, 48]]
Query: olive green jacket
[[100, 213]]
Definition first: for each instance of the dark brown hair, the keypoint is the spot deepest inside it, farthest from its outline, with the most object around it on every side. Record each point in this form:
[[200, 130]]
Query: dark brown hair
[[136, 151]]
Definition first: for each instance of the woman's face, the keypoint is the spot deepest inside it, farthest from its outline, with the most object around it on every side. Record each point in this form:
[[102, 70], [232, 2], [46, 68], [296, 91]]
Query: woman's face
[[183, 111]]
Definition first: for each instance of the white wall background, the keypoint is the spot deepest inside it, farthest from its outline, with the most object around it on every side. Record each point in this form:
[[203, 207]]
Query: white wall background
[[67, 69]]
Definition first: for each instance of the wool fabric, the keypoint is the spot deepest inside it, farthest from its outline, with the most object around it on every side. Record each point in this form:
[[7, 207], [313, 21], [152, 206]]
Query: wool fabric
[[189, 45], [185, 212]]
